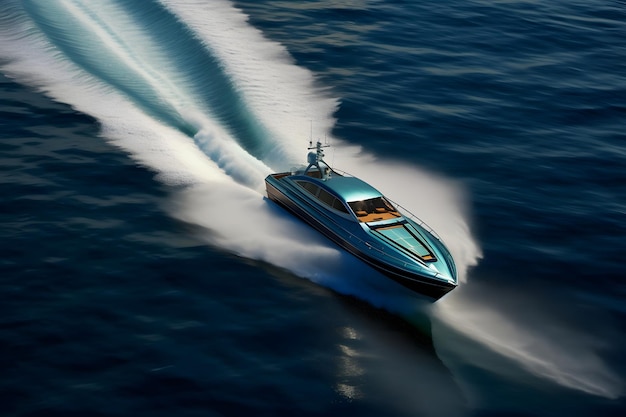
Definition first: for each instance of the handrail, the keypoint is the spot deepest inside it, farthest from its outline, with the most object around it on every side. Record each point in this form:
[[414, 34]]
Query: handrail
[[416, 219]]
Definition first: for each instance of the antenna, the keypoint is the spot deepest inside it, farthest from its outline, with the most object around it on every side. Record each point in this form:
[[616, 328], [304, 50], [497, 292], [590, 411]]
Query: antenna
[[311, 135]]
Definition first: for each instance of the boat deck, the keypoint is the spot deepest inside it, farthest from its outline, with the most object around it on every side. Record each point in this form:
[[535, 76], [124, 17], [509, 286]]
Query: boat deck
[[376, 216], [280, 175]]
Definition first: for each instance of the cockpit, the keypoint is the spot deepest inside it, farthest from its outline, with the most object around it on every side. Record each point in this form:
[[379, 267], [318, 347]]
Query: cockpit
[[374, 209]]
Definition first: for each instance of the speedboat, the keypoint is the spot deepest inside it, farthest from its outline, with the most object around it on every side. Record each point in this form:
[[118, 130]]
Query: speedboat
[[357, 217]]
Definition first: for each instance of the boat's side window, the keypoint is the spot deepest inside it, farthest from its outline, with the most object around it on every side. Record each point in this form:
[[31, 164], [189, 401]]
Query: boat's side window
[[309, 186], [326, 197], [338, 205], [332, 201]]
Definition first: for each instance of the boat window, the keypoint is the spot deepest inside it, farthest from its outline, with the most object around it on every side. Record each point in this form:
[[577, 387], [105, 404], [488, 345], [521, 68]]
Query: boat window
[[374, 209], [338, 205], [326, 197], [309, 186]]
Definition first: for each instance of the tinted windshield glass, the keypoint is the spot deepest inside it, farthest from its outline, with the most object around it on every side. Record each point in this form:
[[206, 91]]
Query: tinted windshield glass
[[374, 209]]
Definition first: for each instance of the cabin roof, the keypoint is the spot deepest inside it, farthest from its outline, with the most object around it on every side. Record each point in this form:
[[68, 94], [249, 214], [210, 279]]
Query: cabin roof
[[351, 188]]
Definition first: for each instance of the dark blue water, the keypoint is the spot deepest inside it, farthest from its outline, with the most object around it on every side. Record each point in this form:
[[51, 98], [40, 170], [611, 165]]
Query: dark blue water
[[143, 273]]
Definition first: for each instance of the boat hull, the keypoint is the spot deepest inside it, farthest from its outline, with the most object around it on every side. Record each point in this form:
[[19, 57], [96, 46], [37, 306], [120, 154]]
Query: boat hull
[[427, 286]]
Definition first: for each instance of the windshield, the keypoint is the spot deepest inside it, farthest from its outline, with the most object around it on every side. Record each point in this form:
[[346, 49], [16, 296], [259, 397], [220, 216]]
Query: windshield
[[374, 209]]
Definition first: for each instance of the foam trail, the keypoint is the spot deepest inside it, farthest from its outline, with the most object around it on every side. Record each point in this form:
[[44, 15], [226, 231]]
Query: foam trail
[[234, 218], [106, 64], [537, 342], [282, 95], [238, 220], [180, 120]]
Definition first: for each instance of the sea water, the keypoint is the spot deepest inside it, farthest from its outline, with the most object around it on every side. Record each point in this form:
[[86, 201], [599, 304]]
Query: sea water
[[143, 272]]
